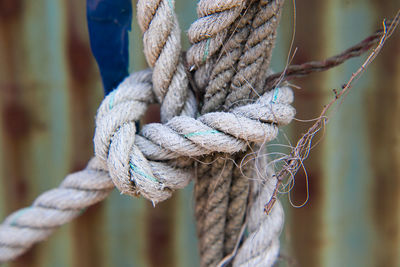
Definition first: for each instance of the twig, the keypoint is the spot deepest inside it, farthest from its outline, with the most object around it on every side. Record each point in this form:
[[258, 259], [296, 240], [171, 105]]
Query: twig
[[301, 151]]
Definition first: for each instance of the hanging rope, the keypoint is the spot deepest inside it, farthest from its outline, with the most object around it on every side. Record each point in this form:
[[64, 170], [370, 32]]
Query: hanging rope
[[231, 51], [235, 72], [162, 48], [150, 163]]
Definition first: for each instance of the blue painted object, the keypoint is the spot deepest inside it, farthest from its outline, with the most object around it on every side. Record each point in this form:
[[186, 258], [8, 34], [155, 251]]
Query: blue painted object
[[109, 22]]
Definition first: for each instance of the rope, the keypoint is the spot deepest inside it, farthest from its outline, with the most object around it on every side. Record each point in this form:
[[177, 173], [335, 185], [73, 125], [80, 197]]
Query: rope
[[208, 33], [134, 161], [235, 72], [162, 48], [153, 163], [25, 227], [261, 247], [294, 71], [138, 159]]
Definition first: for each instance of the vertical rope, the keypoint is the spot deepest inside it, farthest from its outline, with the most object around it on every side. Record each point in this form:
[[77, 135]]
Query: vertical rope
[[261, 247], [162, 48], [232, 71], [212, 192]]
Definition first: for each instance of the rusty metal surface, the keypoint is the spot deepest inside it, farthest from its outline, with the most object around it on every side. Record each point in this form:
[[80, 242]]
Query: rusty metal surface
[[49, 91], [352, 216]]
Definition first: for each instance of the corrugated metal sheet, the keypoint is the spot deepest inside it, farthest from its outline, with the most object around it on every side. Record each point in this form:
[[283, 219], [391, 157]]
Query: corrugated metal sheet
[[352, 216], [49, 91]]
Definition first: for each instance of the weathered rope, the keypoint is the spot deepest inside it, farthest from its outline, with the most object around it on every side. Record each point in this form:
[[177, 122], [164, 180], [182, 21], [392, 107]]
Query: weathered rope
[[253, 64], [138, 164], [212, 189], [25, 227], [209, 32], [238, 67], [145, 168], [133, 161], [162, 48], [261, 247]]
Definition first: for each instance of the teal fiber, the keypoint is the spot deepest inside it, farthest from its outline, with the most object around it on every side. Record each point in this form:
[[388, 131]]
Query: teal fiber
[[111, 102], [201, 133], [140, 172], [206, 50], [19, 214], [275, 96], [170, 4]]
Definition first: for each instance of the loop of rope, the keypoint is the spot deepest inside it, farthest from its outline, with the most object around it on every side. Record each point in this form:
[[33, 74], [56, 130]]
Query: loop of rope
[[136, 162], [150, 163]]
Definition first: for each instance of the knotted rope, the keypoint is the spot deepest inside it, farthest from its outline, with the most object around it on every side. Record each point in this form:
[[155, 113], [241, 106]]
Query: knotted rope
[[154, 162], [228, 75], [133, 160]]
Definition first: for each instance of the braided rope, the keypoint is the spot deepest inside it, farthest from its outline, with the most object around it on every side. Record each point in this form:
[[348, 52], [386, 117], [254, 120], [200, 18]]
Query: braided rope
[[254, 62], [209, 31], [25, 227], [261, 247], [135, 160], [241, 64], [150, 163], [131, 159], [162, 48]]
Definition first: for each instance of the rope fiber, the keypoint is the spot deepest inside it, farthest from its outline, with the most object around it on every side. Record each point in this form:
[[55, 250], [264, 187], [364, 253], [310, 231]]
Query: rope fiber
[[232, 42]]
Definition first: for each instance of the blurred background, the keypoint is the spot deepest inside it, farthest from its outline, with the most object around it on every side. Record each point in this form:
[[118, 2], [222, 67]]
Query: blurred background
[[50, 88]]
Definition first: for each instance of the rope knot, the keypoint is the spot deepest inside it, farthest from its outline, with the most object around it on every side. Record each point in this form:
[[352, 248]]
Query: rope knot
[[142, 163]]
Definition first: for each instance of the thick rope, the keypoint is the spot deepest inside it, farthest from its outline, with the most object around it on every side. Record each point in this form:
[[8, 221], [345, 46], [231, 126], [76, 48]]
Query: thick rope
[[25, 227], [238, 200], [215, 201], [254, 63], [162, 48], [261, 247], [134, 161], [212, 191], [242, 61], [209, 32], [152, 151]]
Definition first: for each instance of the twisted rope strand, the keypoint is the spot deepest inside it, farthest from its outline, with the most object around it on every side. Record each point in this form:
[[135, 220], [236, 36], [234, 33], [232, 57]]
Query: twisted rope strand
[[211, 231], [117, 151], [295, 71], [250, 41], [208, 33], [25, 227], [162, 48], [224, 69], [257, 54], [261, 247], [238, 198], [137, 162]]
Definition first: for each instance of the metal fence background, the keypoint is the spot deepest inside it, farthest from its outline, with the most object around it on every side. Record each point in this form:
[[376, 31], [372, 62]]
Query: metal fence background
[[49, 91]]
